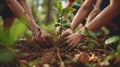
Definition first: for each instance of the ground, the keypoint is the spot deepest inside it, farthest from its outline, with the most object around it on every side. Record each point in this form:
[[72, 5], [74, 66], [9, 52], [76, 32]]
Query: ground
[[32, 55]]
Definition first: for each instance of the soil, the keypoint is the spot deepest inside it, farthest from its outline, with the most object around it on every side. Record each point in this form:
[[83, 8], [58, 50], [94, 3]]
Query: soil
[[32, 55]]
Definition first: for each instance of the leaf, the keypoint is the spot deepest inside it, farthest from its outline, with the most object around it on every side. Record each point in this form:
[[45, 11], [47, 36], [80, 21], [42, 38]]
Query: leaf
[[67, 25], [92, 34], [59, 6], [111, 40], [118, 49], [57, 25], [80, 44], [91, 65], [106, 30], [6, 55], [64, 21], [71, 9], [96, 42], [67, 10], [91, 45], [35, 62]]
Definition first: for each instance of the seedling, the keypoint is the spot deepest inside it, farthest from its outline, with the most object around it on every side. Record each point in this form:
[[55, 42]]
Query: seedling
[[111, 40], [90, 39], [62, 22]]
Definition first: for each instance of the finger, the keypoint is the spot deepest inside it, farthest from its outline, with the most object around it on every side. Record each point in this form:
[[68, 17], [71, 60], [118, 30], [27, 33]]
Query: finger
[[61, 40], [72, 47], [38, 40], [46, 43], [49, 42], [64, 45], [69, 45], [65, 34], [43, 42]]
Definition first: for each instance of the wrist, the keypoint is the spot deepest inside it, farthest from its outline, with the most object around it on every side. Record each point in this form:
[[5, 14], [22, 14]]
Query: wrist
[[72, 28], [83, 31]]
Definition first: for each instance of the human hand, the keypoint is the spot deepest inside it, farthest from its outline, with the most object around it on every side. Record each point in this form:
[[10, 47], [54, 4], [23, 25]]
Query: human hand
[[57, 30], [67, 32], [71, 41], [43, 38]]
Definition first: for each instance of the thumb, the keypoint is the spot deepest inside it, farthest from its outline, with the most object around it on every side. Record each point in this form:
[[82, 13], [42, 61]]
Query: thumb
[[65, 33]]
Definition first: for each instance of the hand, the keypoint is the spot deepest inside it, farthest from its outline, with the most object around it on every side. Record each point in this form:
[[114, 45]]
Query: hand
[[67, 32], [57, 30], [43, 38], [72, 40]]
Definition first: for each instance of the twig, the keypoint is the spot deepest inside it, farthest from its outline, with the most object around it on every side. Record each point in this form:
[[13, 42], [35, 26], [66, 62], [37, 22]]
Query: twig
[[61, 62]]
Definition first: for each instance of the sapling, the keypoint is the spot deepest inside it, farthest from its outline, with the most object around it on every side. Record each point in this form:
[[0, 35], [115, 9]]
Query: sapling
[[62, 22], [90, 39]]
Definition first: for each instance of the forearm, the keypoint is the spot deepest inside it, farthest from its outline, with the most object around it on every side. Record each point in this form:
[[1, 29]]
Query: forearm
[[21, 14], [104, 17], [26, 7], [80, 16], [68, 4], [94, 12], [92, 15]]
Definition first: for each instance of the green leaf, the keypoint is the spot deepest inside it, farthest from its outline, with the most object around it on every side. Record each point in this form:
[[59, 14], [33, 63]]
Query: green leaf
[[92, 34], [81, 43], [57, 25], [109, 57], [118, 49], [91, 45], [35, 62], [59, 6], [111, 40], [91, 65], [6, 55], [71, 9], [64, 21], [67, 25], [106, 30], [67, 10], [17, 30]]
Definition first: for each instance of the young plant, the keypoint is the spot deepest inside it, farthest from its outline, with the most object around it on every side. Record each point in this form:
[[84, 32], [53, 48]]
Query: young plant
[[111, 40], [90, 39], [62, 22]]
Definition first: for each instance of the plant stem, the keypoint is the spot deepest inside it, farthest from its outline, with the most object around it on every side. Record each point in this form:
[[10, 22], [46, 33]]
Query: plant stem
[[61, 28], [61, 62]]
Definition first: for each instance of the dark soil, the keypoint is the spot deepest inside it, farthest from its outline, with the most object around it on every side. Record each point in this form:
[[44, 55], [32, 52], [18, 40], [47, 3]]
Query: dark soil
[[32, 55]]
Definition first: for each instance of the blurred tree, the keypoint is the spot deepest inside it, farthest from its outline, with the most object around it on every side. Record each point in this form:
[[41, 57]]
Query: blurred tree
[[47, 9], [34, 7], [79, 1], [46, 12]]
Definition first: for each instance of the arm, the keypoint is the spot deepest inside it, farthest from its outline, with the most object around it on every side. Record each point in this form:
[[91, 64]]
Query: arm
[[94, 12], [100, 20], [21, 14], [69, 3], [105, 16], [79, 17], [81, 14]]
